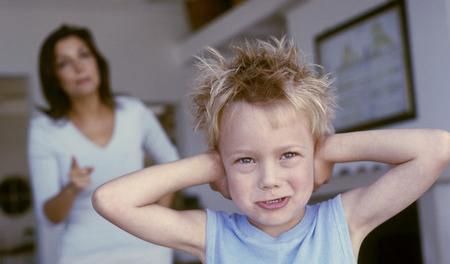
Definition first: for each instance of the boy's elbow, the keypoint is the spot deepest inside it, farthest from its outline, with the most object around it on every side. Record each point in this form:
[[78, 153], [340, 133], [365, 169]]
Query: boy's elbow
[[101, 201], [447, 146], [442, 147]]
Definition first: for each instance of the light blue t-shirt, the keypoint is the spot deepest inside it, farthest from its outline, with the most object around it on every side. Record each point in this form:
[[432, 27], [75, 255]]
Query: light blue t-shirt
[[322, 237]]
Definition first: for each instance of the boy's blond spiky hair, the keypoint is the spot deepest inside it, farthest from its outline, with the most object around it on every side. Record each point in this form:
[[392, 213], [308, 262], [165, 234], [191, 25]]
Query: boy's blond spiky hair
[[261, 72]]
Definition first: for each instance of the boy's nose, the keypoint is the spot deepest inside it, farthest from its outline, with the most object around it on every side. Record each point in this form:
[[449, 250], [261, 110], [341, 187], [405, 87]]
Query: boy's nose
[[268, 177]]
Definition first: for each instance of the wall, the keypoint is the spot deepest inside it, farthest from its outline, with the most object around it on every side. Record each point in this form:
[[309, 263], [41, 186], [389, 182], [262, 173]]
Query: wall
[[135, 36]]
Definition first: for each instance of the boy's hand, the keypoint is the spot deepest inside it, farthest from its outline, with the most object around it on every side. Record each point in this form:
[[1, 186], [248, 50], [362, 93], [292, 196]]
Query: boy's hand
[[220, 184], [323, 169], [322, 172]]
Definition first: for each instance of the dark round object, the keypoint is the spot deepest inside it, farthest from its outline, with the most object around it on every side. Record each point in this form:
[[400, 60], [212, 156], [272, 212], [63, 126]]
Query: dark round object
[[15, 195]]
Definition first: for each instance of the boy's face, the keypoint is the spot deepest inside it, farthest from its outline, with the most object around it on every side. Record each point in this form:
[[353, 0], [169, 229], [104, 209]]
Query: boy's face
[[268, 159]]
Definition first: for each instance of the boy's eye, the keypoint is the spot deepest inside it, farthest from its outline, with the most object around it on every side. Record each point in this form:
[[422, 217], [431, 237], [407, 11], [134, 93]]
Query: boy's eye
[[288, 155], [245, 160]]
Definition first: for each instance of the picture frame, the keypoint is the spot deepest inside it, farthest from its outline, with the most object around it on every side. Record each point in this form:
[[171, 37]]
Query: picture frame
[[369, 59]]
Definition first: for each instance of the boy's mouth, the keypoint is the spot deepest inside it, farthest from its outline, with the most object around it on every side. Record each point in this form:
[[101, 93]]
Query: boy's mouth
[[273, 204]]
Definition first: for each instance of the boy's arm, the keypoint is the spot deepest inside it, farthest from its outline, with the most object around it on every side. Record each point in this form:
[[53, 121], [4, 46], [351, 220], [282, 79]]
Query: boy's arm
[[130, 202], [418, 158]]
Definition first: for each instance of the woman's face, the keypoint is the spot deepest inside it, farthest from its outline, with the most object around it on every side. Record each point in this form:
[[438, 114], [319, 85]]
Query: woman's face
[[76, 68]]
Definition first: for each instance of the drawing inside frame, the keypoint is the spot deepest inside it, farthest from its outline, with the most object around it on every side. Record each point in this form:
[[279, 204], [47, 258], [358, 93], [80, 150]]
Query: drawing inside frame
[[369, 58]]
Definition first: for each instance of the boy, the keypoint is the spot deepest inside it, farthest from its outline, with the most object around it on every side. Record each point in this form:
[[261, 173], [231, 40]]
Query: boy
[[267, 118]]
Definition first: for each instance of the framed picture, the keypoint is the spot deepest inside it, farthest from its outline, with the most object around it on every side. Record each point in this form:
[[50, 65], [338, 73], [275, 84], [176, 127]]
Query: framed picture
[[369, 58]]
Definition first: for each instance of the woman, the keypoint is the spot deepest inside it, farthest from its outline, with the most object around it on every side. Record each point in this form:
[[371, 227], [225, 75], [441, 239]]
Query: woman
[[84, 137]]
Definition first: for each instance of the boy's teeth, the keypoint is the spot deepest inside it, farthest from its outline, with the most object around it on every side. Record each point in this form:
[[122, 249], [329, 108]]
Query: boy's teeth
[[273, 201]]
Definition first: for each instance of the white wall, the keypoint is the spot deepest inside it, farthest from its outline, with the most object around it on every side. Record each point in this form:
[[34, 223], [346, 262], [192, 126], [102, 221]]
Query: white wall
[[135, 36]]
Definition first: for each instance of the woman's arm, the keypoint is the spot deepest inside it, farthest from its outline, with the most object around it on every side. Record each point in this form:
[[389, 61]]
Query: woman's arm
[[130, 202], [418, 157], [52, 201], [58, 207], [43, 168]]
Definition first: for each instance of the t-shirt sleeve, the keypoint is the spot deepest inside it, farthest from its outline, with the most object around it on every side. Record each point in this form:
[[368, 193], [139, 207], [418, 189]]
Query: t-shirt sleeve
[[156, 142], [340, 220], [43, 167], [211, 227]]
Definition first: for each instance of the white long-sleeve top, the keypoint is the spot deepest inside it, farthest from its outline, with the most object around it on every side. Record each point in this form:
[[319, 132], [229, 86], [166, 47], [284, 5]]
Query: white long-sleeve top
[[85, 234]]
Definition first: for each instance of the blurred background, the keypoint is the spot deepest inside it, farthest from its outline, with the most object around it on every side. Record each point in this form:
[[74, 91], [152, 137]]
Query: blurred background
[[150, 45]]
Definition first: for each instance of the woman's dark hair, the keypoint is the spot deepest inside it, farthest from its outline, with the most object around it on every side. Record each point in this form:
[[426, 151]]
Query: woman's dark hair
[[58, 101]]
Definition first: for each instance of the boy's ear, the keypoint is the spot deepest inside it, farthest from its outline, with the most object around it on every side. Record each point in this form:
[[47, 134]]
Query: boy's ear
[[221, 186]]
